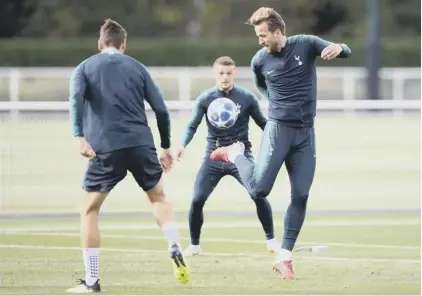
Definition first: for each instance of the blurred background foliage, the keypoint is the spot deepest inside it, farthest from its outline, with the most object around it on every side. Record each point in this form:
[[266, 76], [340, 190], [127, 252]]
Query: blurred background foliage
[[194, 32]]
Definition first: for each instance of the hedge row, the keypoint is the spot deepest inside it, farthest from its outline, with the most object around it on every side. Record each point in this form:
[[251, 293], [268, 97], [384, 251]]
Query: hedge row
[[27, 52]]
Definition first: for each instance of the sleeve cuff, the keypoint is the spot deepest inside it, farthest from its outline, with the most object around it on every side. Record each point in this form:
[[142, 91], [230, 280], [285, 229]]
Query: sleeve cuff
[[165, 145]]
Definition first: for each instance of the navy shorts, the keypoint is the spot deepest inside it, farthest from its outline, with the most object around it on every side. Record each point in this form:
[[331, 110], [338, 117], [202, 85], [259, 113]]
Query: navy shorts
[[108, 169]]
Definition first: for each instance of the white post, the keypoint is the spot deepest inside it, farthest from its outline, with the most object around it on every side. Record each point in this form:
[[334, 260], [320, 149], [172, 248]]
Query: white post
[[14, 77], [348, 89], [185, 85], [398, 90]]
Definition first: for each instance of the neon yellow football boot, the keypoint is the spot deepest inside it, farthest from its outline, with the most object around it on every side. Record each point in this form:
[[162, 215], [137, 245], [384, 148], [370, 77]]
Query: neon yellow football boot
[[181, 271]]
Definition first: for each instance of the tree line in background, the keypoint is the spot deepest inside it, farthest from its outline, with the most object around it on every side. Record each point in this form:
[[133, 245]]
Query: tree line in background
[[209, 21]]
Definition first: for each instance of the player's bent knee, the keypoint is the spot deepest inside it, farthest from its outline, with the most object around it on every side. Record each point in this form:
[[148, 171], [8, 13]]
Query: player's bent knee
[[300, 199], [198, 201], [259, 200], [257, 193], [92, 202]]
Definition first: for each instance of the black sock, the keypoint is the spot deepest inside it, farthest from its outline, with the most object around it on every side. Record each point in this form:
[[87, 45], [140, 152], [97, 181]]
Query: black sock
[[265, 215]]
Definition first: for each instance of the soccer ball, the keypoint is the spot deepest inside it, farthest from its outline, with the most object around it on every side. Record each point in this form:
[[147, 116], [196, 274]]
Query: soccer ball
[[222, 113]]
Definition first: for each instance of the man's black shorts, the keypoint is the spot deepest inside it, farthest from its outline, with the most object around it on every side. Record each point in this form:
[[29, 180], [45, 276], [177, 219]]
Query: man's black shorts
[[108, 169]]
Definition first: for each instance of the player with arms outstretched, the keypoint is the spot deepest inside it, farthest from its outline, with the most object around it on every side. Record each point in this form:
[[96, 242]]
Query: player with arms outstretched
[[240, 105], [284, 72], [107, 111]]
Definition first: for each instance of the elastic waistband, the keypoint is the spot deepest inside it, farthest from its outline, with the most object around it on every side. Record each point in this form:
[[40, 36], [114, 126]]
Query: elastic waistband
[[294, 124]]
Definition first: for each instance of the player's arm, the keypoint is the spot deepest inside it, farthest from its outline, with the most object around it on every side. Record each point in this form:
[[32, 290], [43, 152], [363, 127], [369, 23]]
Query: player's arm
[[77, 89], [155, 100], [198, 113], [258, 78], [257, 114], [328, 50]]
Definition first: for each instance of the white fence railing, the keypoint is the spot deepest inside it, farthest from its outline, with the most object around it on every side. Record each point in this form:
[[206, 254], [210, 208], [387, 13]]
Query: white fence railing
[[37, 89]]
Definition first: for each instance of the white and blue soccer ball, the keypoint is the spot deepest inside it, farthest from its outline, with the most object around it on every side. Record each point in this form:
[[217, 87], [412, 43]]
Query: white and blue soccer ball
[[223, 113]]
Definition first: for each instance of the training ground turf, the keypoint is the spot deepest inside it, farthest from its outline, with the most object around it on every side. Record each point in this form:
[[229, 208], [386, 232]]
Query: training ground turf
[[364, 205]]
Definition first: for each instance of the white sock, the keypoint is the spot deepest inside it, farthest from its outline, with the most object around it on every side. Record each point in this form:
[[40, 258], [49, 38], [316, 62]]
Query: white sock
[[273, 245], [231, 155], [171, 232], [284, 255], [234, 151], [91, 261]]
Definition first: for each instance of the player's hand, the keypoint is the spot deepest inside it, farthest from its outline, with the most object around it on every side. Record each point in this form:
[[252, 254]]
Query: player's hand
[[167, 160], [331, 52], [85, 149], [180, 153]]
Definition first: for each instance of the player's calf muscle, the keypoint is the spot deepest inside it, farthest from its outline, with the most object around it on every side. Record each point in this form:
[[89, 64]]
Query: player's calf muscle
[[161, 207], [257, 188]]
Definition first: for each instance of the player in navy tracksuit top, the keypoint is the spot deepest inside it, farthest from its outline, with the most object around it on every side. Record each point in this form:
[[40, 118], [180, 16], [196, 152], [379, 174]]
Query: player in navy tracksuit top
[[107, 111], [245, 105], [284, 72]]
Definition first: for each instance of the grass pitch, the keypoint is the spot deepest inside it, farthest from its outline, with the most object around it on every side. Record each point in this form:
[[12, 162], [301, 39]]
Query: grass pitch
[[368, 254], [364, 205]]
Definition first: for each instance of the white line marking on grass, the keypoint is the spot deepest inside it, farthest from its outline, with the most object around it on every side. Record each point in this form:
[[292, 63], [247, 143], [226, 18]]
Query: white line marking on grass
[[226, 294], [227, 240], [254, 255], [218, 225], [146, 252], [237, 294], [232, 294]]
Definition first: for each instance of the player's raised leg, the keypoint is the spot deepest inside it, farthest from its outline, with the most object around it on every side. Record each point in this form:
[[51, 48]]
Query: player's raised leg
[[264, 212], [143, 163], [259, 176], [301, 169], [206, 180], [103, 173]]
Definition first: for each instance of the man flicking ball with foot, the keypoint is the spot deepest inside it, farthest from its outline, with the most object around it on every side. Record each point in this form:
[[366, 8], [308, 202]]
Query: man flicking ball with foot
[[284, 72]]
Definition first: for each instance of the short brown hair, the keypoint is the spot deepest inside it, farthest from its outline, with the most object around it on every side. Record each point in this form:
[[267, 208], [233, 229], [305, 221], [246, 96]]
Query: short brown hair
[[271, 17], [224, 61], [112, 33]]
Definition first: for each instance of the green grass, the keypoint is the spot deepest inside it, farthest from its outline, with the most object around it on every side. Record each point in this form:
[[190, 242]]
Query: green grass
[[228, 267], [364, 164]]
